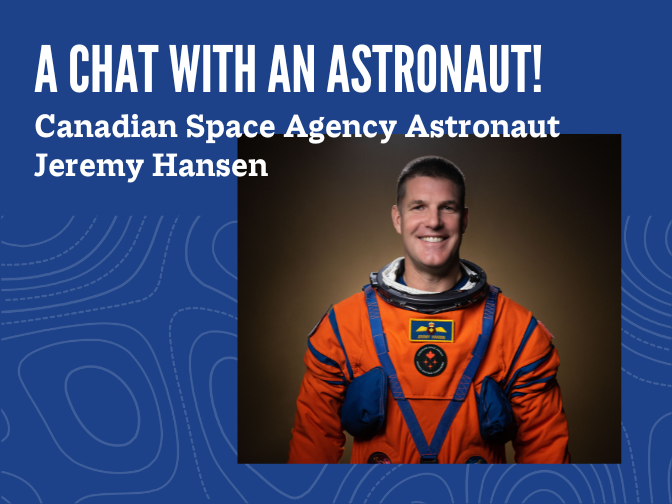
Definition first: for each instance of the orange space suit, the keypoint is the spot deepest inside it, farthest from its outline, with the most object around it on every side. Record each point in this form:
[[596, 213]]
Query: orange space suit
[[520, 357]]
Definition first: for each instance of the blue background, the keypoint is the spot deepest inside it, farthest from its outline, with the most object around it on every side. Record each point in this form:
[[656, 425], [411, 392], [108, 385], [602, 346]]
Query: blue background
[[131, 323]]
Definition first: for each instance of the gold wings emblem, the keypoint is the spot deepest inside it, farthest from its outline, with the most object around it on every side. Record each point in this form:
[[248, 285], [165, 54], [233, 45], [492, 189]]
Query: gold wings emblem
[[425, 329]]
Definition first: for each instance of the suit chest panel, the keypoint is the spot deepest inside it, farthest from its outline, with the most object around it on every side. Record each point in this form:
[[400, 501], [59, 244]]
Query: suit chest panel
[[429, 362]]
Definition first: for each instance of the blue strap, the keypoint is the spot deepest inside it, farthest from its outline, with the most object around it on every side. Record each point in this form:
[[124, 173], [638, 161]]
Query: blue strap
[[528, 369], [528, 332], [322, 358], [380, 343], [337, 332], [429, 452], [534, 382]]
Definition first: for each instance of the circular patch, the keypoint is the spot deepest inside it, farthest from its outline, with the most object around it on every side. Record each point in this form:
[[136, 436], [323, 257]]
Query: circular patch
[[379, 458], [430, 360], [476, 460]]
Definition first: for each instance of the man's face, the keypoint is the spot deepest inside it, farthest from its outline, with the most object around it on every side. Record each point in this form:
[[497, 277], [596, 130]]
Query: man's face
[[431, 221]]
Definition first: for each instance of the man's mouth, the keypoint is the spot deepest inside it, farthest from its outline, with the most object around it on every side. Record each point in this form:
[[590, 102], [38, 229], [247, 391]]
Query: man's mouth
[[432, 239]]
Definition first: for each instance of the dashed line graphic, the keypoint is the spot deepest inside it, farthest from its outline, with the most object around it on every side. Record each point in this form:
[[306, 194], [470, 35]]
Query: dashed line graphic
[[101, 308], [378, 482], [632, 458], [645, 380], [93, 281], [57, 255], [644, 341], [179, 387]]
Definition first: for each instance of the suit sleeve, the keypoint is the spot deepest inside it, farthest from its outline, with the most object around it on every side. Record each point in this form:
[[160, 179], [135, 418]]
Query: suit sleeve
[[535, 396], [317, 436]]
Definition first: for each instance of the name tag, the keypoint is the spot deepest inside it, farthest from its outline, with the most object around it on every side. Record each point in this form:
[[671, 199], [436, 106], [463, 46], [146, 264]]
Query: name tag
[[437, 331]]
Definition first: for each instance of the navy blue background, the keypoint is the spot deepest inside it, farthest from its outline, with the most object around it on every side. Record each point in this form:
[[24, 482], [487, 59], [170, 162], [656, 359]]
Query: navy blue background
[[170, 301]]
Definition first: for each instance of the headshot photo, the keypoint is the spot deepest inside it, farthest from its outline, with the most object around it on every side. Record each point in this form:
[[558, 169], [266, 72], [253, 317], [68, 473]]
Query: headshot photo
[[445, 301]]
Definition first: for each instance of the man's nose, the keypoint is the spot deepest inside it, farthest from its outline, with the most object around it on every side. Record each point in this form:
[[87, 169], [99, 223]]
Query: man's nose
[[434, 219]]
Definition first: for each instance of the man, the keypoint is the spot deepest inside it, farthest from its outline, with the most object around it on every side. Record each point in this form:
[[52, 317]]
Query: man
[[430, 364]]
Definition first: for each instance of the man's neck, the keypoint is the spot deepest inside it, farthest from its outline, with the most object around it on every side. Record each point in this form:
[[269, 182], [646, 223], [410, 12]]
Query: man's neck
[[431, 281]]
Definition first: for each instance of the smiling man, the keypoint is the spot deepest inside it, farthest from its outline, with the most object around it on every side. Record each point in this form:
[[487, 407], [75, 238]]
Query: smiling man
[[430, 364]]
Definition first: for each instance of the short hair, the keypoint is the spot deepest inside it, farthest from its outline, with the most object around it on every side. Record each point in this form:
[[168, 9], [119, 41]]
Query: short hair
[[431, 166]]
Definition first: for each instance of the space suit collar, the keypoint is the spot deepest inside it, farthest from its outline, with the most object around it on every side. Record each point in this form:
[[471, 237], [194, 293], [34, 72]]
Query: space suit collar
[[408, 298], [393, 272]]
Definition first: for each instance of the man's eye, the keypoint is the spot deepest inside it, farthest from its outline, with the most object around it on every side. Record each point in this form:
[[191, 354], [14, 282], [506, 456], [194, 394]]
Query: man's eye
[[449, 209]]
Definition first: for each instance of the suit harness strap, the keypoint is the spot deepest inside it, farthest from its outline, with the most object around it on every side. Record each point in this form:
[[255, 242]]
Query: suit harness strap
[[429, 452]]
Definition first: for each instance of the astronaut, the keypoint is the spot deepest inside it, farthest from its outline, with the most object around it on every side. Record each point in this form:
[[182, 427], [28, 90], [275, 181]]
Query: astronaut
[[430, 364]]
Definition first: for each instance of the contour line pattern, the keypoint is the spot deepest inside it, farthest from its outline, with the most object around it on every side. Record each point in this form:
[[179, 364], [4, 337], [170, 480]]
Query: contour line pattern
[[43, 241], [644, 341], [109, 306], [91, 282], [57, 255], [172, 356], [632, 458]]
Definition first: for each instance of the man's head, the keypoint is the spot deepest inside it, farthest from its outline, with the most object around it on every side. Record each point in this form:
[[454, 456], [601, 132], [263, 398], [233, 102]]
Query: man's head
[[431, 166], [430, 215]]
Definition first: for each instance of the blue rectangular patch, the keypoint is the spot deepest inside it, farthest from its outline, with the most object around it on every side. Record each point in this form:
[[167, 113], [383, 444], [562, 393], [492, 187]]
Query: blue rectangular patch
[[438, 331]]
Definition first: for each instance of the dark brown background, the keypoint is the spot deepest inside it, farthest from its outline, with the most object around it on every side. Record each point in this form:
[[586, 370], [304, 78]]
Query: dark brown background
[[544, 223]]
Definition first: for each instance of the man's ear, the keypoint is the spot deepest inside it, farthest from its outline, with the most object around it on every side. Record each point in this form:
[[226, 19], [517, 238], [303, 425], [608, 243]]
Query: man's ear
[[396, 218], [465, 219]]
